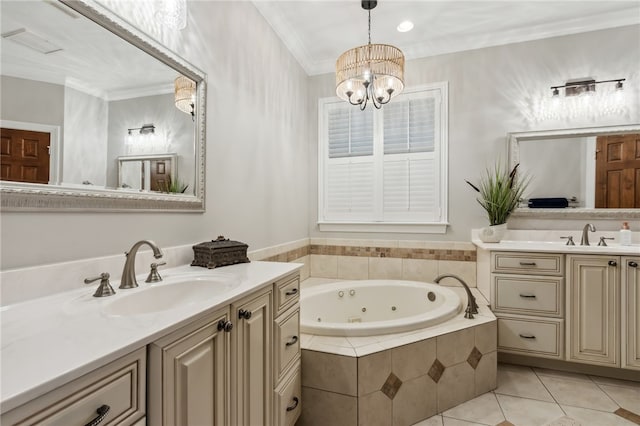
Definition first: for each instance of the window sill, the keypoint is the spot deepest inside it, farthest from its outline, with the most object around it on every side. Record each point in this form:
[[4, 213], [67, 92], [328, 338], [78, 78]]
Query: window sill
[[397, 227]]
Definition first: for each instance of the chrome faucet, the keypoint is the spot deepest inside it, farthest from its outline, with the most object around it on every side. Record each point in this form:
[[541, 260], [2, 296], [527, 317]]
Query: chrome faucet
[[129, 271], [472, 305], [585, 234]]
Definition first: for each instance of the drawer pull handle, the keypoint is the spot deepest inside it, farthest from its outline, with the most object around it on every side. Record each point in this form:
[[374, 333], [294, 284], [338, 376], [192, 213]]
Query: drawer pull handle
[[528, 296], [295, 404], [244, 314], [527, 263], [527, 336], [613, 263], [293, 341], [633, 264], [102, 412], [291, 292]]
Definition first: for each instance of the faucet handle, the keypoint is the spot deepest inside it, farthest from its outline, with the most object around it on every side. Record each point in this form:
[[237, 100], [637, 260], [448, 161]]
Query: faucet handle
[[104, 289], [154, 276], [569, 240], [603, 243]]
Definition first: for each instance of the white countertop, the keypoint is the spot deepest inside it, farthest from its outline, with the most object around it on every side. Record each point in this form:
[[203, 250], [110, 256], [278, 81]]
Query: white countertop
[[50, 341], [558, 247]]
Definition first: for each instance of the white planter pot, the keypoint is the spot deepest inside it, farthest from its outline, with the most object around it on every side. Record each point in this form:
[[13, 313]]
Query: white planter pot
[[493, 233]]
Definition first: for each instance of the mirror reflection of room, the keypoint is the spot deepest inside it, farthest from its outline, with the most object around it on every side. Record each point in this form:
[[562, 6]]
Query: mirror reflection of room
[[76, 99]]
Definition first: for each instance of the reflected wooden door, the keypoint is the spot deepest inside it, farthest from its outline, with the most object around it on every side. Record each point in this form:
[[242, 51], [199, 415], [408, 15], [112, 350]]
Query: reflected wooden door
[[24, 156], [618, 172], [160, 175]]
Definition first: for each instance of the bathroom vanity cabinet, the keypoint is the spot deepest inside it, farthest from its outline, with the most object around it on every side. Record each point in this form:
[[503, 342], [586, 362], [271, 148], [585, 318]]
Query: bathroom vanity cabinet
[[237, 364], [581, 308], [114, 392], [219, 370]]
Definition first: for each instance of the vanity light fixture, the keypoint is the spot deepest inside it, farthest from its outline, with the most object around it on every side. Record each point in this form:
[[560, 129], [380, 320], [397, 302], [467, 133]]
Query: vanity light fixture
[[370, 73], [144, 130], [579, 87], [185, 95]]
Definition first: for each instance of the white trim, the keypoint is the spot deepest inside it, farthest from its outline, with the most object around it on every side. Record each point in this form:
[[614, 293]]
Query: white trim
[[55, 148], [396, 227]]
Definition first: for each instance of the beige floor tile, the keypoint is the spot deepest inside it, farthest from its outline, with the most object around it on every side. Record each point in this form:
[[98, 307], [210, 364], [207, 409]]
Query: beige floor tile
[[431, 421], [528, 412], [615, 382], [588, 417], [561, 374], [626, 397], [486, 373], [578, 393], [483, 409], [448, 421], [564, 421], [520, 381]]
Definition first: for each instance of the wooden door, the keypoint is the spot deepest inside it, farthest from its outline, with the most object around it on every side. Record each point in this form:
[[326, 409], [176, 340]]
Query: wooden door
[[631, 312], [160, 175], [189, 381], [252, 368], [24, 156], [593, 300], [618, 172]]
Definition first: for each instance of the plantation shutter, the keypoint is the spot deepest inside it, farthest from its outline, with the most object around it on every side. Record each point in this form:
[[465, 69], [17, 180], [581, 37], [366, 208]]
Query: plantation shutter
[[350, 174], [410, 169]]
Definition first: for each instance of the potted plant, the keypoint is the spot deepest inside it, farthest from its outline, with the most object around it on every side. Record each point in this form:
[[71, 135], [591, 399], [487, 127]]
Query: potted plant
[[500, 192]]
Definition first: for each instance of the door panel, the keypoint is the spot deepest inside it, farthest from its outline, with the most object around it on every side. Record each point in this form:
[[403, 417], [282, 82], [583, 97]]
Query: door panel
[[618, 171], [24, 156]]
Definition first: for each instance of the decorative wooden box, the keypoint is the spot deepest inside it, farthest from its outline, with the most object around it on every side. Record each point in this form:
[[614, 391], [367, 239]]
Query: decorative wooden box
[[219, 252]]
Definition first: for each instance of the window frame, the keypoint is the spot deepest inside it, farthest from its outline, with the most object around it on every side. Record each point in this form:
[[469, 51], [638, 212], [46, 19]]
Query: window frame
[[441, 153]]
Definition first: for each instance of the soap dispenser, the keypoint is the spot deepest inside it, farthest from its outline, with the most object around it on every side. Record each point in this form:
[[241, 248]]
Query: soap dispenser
[[625, 234]]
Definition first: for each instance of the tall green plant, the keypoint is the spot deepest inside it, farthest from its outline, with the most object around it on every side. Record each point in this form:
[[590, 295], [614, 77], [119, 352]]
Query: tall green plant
[[174, 186], [500, 192]]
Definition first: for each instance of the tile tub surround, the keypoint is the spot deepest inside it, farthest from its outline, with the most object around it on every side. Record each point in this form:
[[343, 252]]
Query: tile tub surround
[[397, 379]]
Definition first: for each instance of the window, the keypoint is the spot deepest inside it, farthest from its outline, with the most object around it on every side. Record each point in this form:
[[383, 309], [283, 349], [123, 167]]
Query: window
[[384, 170]]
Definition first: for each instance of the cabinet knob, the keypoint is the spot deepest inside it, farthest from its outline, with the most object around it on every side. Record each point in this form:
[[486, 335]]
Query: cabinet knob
[[293, 341], [613, 263], [244, 314], [295, 404], [102, 412], [632, 264], [224, 325]]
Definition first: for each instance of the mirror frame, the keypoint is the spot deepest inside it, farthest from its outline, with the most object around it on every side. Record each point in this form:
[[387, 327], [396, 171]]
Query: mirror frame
[[17, 196], [513, 141]]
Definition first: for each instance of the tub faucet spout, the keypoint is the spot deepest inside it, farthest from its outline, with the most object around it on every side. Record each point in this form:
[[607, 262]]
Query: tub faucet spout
[[472, 305], [129, 271]]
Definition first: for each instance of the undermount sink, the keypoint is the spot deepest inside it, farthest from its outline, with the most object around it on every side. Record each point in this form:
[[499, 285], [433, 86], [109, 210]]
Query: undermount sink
[[163, 296]]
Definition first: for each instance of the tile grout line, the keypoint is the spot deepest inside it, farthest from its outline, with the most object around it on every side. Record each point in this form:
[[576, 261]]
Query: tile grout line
[[500, 406], [550, 393]]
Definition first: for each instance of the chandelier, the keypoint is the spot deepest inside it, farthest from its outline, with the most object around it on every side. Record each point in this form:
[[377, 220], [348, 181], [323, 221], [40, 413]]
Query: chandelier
[[185, 95], [370, 73]]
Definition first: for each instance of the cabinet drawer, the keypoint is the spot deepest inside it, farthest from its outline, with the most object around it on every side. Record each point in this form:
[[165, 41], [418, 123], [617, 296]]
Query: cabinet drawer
[[528, 263], [287, 339], [119, 385], [288, 398], [287, 293], [530, 336], [527, 295]]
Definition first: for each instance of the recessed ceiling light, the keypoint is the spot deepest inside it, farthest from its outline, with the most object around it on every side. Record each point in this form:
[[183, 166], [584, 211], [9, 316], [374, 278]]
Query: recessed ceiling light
[[405, 26]]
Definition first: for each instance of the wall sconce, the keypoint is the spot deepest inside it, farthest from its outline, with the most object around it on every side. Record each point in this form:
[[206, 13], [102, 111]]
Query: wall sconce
[[579, 87], [144, 130], [185, 95]]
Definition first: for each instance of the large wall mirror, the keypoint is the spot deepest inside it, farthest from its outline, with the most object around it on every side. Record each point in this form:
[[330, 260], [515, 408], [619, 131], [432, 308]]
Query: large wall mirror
[[597, 169], [82, 92]]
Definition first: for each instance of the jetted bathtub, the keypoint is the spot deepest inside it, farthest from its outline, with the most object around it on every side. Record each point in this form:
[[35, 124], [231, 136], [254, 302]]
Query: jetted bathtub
[[371, 307]]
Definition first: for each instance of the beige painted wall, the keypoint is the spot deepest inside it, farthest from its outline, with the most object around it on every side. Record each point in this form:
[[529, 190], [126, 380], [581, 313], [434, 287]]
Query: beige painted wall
[[256, 179], [491, 93]]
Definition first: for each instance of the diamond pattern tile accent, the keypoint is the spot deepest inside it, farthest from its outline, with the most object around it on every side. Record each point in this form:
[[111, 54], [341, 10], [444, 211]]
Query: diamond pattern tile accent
[[436, 370], [474, 357], [391, 386], [629, 415]]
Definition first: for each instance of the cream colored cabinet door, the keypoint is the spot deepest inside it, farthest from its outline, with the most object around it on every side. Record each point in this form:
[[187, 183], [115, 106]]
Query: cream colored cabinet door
[[189, 379], [593, 309], [251, 360], [631, 312]]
